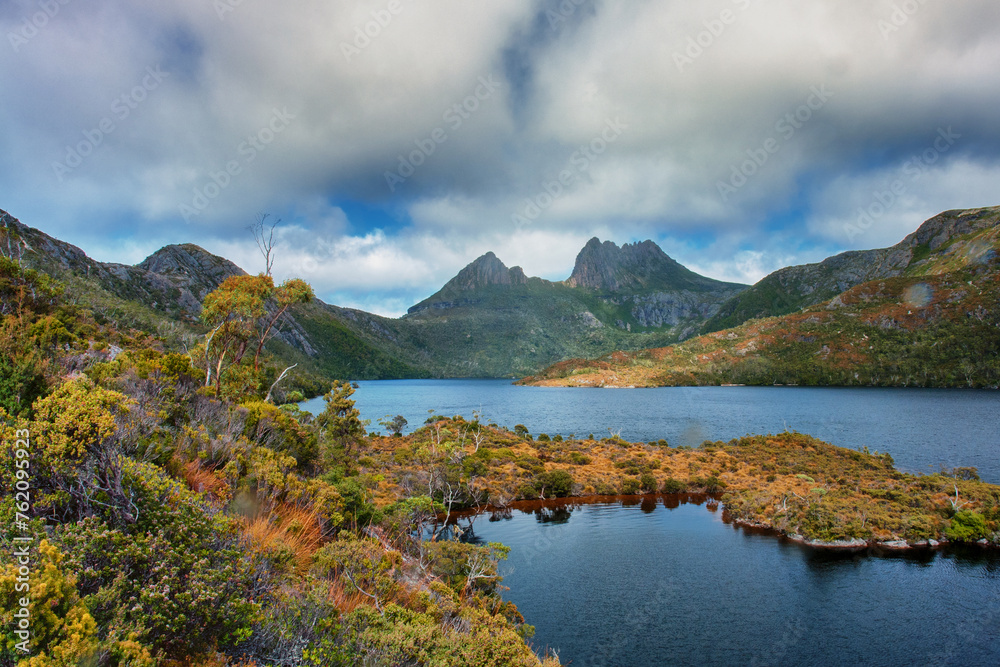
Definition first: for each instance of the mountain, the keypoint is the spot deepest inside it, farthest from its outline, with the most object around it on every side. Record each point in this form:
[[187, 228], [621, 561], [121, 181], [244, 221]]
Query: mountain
[[636, 267], [163, 295], [491, 320], [793, 288], [103, 284], [467, 287], [931, 317], [488, 321]]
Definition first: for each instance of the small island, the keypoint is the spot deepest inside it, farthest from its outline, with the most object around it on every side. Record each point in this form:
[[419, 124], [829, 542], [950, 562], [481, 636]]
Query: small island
[[791, 483]]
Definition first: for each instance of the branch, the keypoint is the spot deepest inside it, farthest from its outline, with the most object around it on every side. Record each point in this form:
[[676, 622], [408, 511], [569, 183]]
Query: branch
[[363, 591], [280, 378]]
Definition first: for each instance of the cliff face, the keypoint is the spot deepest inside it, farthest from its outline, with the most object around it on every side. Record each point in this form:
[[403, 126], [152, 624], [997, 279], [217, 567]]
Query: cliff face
[[605, 266]]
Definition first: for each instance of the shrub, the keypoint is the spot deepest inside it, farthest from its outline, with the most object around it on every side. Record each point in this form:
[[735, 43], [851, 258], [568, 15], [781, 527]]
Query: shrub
[[272, 427], [631, 486], [21, 383], [966, 526], [62, 630], [527, 492], [181, 591], [605, 489], [647, 483], [671, 485], [557, 483], [357, 502], [711, 484], [363, 563]]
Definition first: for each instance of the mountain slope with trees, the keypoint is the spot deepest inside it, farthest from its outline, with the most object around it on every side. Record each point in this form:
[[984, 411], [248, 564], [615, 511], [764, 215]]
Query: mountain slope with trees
[[935, 322], [795, 287], [172, 522], [491, 320], [488, 321]]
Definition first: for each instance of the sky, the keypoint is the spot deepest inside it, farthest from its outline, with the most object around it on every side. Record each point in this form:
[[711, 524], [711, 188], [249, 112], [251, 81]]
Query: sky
[[398, 140]]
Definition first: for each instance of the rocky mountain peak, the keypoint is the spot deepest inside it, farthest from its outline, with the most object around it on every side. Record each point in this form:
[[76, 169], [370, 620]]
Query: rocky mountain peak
[[485, 271], [606, 266], [190, 267]]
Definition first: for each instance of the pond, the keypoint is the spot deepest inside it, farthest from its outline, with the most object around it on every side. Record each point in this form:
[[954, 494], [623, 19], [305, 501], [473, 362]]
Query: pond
[[664, 580]]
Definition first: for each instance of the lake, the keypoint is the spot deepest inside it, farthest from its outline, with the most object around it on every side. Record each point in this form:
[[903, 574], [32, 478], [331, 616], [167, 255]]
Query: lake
[[923, 429], [650, 582], [655, 581]]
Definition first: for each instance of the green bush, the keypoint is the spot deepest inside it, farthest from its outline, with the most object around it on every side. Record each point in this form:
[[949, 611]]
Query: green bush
[[358, 507], [631, 486], [181, 591], [605, 489], [647, 483], [21, 382], [527, 492], [967, 526], [557, 483], [671, 485]]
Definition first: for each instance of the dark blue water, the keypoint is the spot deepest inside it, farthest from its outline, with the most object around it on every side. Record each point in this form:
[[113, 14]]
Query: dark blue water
[[639, 584], [923, 429]]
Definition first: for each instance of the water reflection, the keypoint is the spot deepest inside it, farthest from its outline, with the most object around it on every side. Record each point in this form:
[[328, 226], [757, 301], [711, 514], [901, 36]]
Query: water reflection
[[620, 581], [559, 511]]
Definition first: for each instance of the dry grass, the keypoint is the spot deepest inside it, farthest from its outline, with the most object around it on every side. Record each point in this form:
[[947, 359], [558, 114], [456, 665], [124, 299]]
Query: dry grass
[[203, 480], [293, 530], [345, 597]]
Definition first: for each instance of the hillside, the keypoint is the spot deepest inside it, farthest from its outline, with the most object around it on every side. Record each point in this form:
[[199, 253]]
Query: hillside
[[491, 320], [163, 295], [936, 322], [161, 522], [488, 321], [795, 287]]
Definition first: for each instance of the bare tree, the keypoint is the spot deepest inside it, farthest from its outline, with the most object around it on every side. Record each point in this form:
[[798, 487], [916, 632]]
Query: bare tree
[[264, 236]]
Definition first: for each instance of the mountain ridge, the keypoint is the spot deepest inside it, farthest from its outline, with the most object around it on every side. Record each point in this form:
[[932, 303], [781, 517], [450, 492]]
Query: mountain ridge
[[489, 320], [793, 287], [930, 317]]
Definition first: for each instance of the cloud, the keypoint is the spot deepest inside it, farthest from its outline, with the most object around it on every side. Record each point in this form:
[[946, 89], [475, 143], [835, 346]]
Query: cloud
[[400, 140]]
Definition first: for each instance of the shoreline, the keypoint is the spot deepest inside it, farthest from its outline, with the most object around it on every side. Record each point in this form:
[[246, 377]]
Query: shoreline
[[838, 546]]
